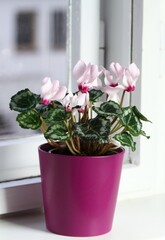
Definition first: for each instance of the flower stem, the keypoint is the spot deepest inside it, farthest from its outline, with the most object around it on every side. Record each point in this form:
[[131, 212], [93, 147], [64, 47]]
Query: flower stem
[[72, 117], [70, 148], [73, 146], [78, 143], [53, 104], [121, 103], [116, 127], [122, 98], [43, 126], [56, 144], [79, 116], [84, 118], [91, 115]]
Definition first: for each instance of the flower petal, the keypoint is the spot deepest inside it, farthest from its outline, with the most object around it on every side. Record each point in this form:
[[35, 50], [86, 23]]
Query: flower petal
[[81, 98], [111, 90], [117, 69], [60, 93], [55, 85], [128, 81], [134, 70], [46, 87], [79, 69], [94, 72]]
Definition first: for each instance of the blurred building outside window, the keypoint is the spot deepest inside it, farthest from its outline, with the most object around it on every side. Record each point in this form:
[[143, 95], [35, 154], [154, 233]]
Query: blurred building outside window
[[32, 46]]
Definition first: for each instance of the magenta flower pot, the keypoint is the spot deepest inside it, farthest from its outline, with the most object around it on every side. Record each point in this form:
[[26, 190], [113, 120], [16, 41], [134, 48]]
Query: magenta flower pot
[[79, 192]]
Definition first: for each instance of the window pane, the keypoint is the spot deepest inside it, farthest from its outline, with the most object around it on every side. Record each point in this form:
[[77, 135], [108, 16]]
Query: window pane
[[116, 45], [26, 56]]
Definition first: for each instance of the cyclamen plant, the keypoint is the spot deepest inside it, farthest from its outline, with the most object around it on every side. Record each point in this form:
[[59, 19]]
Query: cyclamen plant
[[79, 123]]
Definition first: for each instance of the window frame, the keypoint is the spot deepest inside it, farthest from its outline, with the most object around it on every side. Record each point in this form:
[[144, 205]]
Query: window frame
[[137, 180], [146, 176]]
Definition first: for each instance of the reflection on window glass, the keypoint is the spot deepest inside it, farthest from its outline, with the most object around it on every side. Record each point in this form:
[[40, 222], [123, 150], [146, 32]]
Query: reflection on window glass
[[28, 27], [25, 31], [59, 30]]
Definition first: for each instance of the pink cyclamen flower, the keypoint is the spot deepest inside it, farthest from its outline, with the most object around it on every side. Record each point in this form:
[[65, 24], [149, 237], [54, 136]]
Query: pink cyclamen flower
[[77, 100], [117, 70], [51, 91], [112, 92], [113, 80], [108, 78], [130, 77], [69, 102], [86, 76], [83, 101]]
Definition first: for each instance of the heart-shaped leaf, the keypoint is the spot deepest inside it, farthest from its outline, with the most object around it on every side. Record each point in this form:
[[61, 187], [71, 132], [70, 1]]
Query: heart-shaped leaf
[[126, 140], [139, 115], [29, 120], [23, 101], [57, 114], [100, 112], [111, 108], [84, 133], [94, 95], [97, 130], [108, 109], [101, 126], [57, 132], [131, 122]]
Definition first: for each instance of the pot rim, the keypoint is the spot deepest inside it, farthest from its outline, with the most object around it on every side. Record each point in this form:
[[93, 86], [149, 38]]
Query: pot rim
[[48, 147]]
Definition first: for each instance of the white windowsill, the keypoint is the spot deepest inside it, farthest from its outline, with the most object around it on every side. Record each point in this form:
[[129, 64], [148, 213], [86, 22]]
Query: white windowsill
[[137, 219]]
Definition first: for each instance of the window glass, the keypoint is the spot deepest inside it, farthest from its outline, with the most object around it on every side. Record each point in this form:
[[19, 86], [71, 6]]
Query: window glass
[[26, 56], [59, 30], [116, 45]]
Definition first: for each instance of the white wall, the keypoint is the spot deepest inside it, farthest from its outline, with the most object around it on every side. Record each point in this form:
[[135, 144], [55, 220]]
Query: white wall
[[153, 88]]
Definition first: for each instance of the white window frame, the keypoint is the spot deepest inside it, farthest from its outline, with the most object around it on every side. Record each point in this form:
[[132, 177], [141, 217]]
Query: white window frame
[[147, 177]]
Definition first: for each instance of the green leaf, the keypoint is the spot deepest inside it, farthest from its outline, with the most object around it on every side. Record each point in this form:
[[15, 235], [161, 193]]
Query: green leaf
[[101, 126], [94, 95], [37, 97], [29, 120], [139, 115], [97, 130], [57, 132], [57, 114], [108, 109], [84, 133], [100, 112], [23, 101], [126, 140], [111, 108], [41, 108], [131, 122]]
